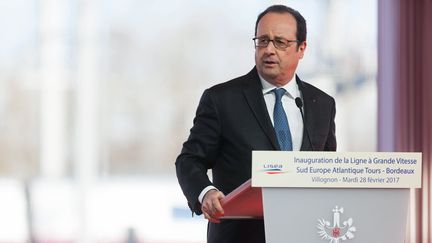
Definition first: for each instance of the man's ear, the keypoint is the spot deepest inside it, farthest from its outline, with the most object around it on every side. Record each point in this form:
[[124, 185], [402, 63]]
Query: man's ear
[[302, 48]]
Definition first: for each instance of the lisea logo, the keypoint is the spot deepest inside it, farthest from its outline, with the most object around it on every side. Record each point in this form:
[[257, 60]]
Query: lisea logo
[[273, 169]]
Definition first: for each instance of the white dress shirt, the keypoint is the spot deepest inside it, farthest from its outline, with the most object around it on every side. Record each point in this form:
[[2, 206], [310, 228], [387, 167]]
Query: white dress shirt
[[292, 112]]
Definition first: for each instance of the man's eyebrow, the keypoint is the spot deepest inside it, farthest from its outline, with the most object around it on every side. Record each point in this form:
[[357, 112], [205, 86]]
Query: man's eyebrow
[[275, 37]]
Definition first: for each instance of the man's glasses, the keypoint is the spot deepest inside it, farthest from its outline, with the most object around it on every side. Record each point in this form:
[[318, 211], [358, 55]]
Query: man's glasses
[[278, 42]]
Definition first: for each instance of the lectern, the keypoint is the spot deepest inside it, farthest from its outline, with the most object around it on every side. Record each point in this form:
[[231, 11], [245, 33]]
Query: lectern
[[337, 206]]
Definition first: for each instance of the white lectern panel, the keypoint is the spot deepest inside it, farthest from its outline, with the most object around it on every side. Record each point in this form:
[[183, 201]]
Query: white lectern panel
[[307, 215]]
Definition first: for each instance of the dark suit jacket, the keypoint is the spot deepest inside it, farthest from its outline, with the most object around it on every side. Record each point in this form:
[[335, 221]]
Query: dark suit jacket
[[231, 121]]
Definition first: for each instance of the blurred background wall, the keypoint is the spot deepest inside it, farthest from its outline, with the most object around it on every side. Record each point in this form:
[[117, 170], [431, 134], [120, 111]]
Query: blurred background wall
[[97, 97]]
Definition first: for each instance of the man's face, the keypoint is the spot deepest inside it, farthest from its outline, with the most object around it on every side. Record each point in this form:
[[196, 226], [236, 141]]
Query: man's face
[[274, 65]]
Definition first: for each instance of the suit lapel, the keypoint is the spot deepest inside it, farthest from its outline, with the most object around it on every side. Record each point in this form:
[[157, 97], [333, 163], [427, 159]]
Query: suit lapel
[[309, 101], [253, 93]]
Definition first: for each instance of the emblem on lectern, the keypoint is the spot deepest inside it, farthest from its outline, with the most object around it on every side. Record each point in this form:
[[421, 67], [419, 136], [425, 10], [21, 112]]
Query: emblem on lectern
[[336, 232]]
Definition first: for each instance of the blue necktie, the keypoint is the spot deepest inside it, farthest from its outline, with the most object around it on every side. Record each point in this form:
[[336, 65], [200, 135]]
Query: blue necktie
[[281, 125]]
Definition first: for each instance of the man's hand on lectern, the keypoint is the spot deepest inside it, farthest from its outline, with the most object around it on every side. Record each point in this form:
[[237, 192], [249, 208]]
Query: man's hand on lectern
[[211, 206]]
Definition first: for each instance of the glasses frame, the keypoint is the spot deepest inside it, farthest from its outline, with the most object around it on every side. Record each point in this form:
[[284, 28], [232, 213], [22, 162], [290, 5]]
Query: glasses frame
[[277, 46]]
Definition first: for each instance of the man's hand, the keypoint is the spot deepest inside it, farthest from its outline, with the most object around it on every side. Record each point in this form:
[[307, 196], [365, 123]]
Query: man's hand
[[211, 206]]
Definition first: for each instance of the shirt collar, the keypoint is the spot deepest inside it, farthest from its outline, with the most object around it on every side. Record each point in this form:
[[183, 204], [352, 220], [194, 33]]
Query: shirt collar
[[291, 87]]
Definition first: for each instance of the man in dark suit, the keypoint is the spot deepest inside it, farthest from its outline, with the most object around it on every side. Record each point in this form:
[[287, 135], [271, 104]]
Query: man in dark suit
[[256, 111]]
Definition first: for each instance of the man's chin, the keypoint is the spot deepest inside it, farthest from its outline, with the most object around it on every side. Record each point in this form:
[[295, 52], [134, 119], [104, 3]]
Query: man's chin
[[268, 76]]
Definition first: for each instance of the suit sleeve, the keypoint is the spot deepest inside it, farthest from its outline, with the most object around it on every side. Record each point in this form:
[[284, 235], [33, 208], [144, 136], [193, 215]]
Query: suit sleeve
[[330, 144], [199, 152]]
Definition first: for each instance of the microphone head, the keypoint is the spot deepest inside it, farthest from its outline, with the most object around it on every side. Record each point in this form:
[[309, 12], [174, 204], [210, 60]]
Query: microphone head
[[299, 102]]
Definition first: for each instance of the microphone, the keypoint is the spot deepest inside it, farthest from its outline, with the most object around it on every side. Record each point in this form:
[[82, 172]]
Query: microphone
[[299, 104]]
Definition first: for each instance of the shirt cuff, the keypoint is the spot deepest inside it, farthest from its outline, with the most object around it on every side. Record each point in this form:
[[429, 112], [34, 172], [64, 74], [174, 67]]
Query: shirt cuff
[[204, 191]]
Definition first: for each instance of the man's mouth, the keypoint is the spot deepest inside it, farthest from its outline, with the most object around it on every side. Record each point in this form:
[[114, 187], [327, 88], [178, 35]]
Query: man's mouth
[[269, 62]]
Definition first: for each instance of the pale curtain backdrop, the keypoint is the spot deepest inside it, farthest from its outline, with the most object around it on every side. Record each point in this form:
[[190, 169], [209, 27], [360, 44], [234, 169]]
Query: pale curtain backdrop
[[405, 96]]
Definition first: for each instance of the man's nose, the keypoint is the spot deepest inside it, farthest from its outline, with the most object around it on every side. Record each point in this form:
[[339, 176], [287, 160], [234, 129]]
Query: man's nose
[[270, 48]]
